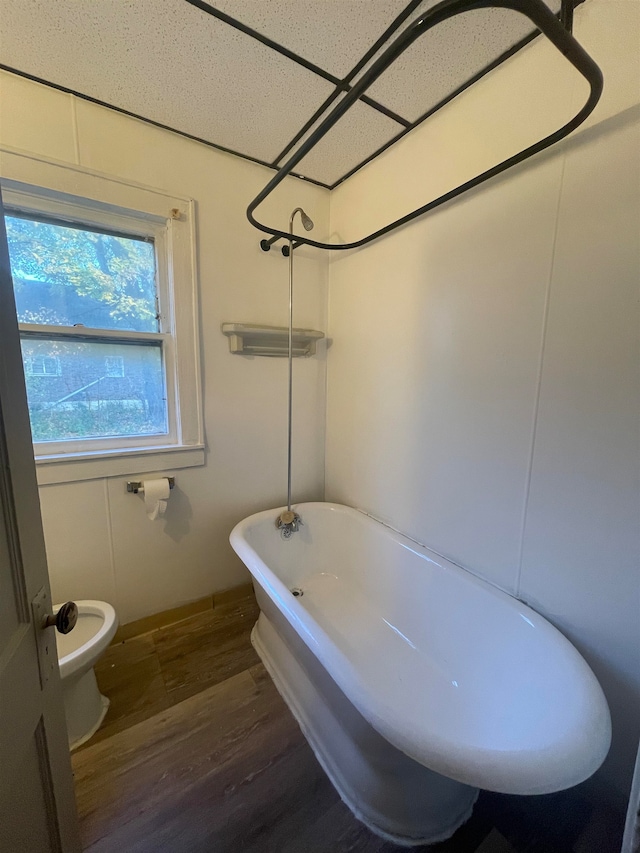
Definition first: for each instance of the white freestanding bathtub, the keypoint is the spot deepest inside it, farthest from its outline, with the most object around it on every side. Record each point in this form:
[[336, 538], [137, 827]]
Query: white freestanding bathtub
[[415, 682]]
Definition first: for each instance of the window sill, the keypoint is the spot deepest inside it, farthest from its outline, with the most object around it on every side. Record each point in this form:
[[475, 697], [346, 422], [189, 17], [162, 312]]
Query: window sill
[[115, 463]]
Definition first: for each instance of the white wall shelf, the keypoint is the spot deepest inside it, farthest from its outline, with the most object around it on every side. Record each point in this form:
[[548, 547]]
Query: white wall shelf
[[254, 339]]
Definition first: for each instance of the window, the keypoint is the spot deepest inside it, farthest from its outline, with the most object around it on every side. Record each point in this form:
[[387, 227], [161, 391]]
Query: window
[[110, 369], [114, 366], [40, 365]]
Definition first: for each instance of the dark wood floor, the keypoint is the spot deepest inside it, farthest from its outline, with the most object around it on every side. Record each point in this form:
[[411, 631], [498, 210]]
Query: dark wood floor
[[199, 754]]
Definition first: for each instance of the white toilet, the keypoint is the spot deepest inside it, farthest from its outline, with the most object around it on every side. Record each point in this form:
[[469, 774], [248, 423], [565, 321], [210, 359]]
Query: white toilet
[[85, 707]]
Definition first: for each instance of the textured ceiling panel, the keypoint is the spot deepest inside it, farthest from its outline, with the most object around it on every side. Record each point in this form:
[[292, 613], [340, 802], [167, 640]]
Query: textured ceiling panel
[[166, 61], [333, 34], [447, 56], [358, 135]]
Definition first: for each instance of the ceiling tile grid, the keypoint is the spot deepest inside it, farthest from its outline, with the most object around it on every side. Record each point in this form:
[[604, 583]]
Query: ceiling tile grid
[[178, 65], [356, 136], [333, 34], [167, 61]]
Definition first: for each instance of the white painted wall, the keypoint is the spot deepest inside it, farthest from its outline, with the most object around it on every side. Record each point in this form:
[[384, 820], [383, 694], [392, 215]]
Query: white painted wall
[[483, 388], [100, 543]]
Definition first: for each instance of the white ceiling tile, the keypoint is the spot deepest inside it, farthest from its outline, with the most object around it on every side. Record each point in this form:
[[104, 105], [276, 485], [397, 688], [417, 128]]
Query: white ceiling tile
[[446, 57], [333, 34], [167, 61], [358, 135]]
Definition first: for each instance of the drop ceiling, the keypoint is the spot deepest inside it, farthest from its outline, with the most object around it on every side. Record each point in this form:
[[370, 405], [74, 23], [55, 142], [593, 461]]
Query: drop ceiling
[[253, 76]]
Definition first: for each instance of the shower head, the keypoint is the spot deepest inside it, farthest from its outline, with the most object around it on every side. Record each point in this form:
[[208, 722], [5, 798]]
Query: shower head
[[306, 221]]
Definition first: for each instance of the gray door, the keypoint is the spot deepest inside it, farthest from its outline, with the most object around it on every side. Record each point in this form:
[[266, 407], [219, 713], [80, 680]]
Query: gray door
[[37, 805]]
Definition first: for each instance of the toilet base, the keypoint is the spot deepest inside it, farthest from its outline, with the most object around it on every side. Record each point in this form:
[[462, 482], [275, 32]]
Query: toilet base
[[85, 707]]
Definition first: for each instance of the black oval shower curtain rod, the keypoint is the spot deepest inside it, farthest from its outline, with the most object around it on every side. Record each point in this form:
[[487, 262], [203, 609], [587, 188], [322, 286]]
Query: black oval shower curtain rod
[[558, 31]]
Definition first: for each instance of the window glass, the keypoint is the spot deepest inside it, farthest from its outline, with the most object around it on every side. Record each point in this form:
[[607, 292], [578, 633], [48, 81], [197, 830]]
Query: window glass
[[87, 389], [66, 276]]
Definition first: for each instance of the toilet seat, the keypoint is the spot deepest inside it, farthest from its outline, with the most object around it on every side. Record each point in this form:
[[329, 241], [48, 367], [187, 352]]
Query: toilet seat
[[79, 649]]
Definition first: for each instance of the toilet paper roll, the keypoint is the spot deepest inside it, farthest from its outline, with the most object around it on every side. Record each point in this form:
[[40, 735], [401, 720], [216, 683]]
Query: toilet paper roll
[[156, 495]]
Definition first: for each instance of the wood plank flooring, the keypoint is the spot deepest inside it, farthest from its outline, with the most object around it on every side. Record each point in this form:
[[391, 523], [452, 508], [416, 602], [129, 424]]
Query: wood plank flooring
[[199, 754], [152, 672]]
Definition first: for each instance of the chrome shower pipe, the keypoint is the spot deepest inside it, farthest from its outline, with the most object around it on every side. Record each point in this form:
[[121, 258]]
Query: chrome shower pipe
[[308, 225]]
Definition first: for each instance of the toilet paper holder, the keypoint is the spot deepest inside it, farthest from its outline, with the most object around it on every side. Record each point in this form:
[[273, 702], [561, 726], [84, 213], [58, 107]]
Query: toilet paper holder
[[136, 486]]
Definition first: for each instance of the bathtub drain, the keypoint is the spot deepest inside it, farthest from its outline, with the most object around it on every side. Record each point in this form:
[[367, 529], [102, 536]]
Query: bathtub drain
[[297, 591]]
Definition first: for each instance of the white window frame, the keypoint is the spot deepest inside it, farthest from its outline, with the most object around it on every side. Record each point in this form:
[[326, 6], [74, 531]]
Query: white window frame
[[169, 221]]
